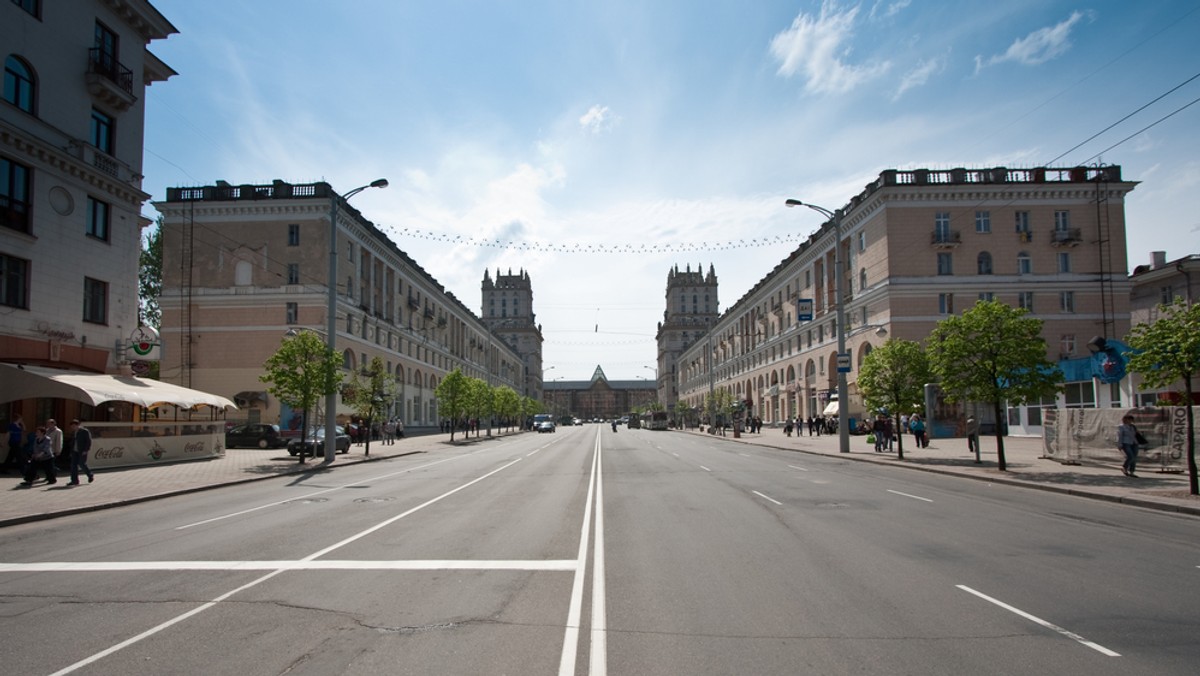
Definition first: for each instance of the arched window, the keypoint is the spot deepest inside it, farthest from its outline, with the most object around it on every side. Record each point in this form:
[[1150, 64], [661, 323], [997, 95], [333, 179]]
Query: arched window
[[18, 84], [1024, 264], [983, 263]]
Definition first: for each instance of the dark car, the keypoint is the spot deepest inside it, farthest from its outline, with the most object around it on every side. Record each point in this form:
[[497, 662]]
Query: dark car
[[316, 442], [254, 435]]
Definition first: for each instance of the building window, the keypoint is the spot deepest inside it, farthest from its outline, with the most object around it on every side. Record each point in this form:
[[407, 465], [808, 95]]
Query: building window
[[1062, 221], [1022, 220], [1025, 300], [31, 6], [14, 282], [1024, 263], [1166, 295], [807, 278], [862, 279], [945, 263], [293, 234], [1080, 395], [1067, 301], [18, 84], [102, 131], [946, 303], [95, 301], [1064, 262], [97, 219], [293, 273], [983, 221], [106, 45], [987, 296], [862, 241], [983, 263], [14, 195], [1066, 344], [941, 226], [293, 313]]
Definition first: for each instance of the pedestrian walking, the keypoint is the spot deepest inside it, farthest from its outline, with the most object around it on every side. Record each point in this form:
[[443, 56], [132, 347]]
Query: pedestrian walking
[[1128, 441], [877, 430], [917, 426], [42, 459], [972, 435], [15, 457], [79, 452], [787, 428]]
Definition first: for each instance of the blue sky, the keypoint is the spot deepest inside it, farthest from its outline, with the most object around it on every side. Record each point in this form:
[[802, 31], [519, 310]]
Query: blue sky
[[678, 126]]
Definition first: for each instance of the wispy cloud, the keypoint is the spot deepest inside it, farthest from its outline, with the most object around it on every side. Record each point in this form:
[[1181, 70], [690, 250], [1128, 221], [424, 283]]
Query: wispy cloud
[[1038, 47], [887, 10], [598, 119], [815, 48], [918, 76]]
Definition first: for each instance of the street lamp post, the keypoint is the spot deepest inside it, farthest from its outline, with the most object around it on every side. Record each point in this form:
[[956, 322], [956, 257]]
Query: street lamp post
[[331, 323], [835, 218]]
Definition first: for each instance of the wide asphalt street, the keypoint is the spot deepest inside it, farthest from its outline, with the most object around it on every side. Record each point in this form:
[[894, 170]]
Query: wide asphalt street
[[593, 552]]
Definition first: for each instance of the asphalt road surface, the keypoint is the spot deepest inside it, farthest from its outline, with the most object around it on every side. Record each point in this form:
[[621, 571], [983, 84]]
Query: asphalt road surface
[[593, 552]]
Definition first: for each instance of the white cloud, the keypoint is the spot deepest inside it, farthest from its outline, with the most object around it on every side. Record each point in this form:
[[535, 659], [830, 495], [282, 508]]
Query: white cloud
[[1038, 47], [891, 9], [920, 75], [598, 119], [816, 47]]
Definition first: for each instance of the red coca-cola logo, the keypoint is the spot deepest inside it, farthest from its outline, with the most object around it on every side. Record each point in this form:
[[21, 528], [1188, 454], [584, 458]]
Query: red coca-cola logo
[[109, 453], [194, 447]]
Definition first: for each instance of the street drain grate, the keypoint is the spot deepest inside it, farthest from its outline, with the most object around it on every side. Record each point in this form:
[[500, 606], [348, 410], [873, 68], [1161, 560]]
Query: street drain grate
[[381, 499]]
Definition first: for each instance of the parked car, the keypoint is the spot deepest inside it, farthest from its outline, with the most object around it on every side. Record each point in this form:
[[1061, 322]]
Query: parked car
[[254, 435], [316, 442], [545, 426]]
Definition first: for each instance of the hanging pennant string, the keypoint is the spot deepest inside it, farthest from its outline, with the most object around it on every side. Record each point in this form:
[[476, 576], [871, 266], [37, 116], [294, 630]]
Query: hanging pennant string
[[617, 248]]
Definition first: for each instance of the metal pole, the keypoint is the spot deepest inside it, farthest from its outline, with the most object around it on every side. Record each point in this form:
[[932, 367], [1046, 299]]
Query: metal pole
[[835, 218], [331, 320]]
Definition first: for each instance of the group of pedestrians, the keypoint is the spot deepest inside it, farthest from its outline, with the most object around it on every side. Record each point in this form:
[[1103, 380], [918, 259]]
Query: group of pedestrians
[[392, 429], [37, 452]]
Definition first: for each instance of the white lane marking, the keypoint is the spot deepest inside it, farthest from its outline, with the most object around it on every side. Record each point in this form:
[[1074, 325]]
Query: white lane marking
[[764, 497], [327, 490], [598, 652], [704, 468], [744, 455], [327, 564], [914, 497], [566, 663], [1071, 635], [175, 620], [802, 469]]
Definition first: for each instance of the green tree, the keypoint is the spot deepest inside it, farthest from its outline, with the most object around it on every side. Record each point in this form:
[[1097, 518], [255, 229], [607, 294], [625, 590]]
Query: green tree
[[1168, 351], [370, 392], [892, 377], [718, 405], [993, 354], [452, 394], [302, 371], [150, 282], [479, 403], [508, 404]]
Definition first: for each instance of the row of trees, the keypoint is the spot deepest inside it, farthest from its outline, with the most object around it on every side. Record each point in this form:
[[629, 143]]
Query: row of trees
[[995, 354], [461, 397]]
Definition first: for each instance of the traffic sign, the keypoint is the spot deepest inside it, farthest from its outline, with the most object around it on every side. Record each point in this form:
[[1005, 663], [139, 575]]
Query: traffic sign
[[804, 310], [843, 362]]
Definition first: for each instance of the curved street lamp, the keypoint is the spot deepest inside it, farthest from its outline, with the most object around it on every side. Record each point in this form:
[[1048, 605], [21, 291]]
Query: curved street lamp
[[331, 323], [835, 218]]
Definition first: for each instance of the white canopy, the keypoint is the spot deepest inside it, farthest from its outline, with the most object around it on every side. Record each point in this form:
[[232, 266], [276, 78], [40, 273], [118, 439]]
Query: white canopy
[[831, 410], [31, 382]]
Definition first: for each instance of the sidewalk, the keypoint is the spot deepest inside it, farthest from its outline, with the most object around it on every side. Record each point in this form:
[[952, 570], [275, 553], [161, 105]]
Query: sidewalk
[[1154, 489], [129, 485], [1026, 467]]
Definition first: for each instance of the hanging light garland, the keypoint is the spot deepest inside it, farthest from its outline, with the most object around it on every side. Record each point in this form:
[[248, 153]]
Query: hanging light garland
[[626, 248]]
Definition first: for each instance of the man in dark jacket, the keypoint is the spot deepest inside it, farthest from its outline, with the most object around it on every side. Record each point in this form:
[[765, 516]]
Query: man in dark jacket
[[79, 452]]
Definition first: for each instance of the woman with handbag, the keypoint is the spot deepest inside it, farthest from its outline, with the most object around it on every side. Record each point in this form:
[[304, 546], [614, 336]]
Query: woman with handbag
[[1127, 440]]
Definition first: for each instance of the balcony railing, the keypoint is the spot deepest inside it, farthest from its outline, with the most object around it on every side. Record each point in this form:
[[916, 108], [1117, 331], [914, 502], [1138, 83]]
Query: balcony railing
[[1066, 237], [946, 239], [101, 62]]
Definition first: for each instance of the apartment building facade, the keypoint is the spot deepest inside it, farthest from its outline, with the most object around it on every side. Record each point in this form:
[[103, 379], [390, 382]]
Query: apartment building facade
[[918, 246], [71, 135], [1162, 282], [244, 265]]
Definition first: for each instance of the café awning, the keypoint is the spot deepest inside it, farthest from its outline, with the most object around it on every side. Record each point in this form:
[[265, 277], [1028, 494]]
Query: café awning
[[32, 382]]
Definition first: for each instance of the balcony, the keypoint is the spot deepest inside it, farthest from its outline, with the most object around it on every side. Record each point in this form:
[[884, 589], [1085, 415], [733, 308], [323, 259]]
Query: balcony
[[946, 239], [1066, 237], [428, 313], [109, 81], [413, 303]]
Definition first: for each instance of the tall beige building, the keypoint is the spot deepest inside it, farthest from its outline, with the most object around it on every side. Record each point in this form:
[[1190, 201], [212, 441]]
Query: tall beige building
[[243, 265], [692, 307], [71, 129], [919, 246], [508, 312], [1162, 282]]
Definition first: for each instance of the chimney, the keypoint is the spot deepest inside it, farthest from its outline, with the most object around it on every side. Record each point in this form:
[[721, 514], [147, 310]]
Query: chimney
[[1157, 259]]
